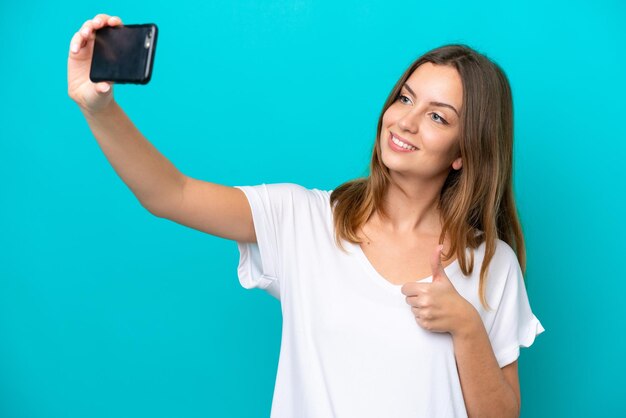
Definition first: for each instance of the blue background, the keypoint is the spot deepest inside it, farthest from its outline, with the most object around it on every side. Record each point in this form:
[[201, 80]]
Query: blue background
[[108, 311]]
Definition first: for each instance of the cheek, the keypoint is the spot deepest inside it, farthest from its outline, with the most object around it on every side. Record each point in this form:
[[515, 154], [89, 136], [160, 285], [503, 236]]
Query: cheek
[[440, 144], [393, 114], [387, 118], [443, 140], [434, 140], [387, 122]]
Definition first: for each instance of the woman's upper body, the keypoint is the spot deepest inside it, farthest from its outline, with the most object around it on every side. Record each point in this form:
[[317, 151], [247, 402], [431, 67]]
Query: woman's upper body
[[350, 345], [441, 173]]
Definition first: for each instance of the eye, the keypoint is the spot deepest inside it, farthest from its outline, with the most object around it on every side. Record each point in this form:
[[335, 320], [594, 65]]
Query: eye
[[445, 122], [401, 97]]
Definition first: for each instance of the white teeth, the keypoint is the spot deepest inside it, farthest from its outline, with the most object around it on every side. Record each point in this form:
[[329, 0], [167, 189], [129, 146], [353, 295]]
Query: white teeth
[[402, 144]]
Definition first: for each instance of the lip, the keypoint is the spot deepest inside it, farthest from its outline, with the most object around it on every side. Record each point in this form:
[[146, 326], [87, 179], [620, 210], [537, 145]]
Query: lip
[[401, 139]]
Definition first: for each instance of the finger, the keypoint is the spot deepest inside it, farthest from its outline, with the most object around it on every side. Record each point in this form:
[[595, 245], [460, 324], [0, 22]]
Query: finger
[[100, 20], [414, 288], [89, 27], [86, 29], [76, 43], [80, 38], [105, 20], [115, 21], [408, 289], [435, 261]]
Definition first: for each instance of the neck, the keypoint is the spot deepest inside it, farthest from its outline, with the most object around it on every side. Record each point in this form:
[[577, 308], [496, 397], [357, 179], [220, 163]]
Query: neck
[[412, 207]]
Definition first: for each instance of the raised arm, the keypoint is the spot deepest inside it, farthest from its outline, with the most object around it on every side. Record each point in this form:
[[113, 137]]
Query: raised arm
[[158, 185]]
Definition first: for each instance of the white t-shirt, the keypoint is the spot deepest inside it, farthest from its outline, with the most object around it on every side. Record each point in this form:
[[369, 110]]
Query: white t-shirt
[[350, 344]]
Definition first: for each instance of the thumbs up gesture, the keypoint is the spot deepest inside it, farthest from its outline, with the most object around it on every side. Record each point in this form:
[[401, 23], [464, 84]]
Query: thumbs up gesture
[[437, 306]]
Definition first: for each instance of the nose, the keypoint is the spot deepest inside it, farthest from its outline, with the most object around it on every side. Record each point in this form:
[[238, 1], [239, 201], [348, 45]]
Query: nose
[[409, 122]]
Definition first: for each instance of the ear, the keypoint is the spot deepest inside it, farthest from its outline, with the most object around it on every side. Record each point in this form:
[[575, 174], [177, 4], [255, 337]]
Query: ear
[[457, 164]]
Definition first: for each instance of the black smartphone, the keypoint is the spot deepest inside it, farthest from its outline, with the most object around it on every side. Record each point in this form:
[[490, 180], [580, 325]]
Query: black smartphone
[[124, 54]]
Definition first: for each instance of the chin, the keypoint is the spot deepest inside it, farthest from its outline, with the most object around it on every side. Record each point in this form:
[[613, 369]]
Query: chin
[[398, 167]]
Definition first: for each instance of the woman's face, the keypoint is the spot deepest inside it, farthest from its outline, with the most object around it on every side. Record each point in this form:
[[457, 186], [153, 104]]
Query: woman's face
[[431, 128]]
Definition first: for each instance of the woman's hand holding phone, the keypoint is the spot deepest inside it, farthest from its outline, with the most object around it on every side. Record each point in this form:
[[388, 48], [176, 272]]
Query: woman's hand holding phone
[[90, 96]]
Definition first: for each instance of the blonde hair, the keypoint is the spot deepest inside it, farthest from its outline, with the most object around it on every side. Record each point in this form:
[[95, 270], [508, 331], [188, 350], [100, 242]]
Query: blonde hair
[[476, 203]]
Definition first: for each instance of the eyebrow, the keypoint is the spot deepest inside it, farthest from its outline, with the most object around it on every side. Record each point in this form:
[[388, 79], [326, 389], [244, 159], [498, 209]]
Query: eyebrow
[[440, 104]]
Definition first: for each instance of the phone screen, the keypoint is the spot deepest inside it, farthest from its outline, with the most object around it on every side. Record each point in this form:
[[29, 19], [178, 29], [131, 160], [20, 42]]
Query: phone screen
[[124, 54]]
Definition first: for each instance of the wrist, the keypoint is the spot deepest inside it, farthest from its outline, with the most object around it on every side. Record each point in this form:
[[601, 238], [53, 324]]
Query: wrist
[[102, 111], [469, 324]]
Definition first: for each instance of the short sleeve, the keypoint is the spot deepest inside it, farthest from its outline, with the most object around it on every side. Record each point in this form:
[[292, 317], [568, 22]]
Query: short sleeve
[[514, 324], [273, 207]]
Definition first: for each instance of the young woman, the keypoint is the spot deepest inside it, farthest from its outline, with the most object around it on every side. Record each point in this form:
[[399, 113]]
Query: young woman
[[402, 293]]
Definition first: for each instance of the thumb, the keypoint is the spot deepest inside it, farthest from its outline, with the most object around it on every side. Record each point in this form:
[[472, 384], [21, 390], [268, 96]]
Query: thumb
[[435, 263], [103, 88]]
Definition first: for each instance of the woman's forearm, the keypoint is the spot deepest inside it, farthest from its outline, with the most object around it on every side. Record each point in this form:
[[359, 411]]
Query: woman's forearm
[[153, 179], [485, 390]]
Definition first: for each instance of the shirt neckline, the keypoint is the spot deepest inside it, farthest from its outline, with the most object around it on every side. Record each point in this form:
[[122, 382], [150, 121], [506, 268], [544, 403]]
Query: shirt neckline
[[450, 270]]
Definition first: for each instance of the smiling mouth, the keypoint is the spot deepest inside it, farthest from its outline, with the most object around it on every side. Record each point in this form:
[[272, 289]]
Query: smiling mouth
[[402, 144]]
